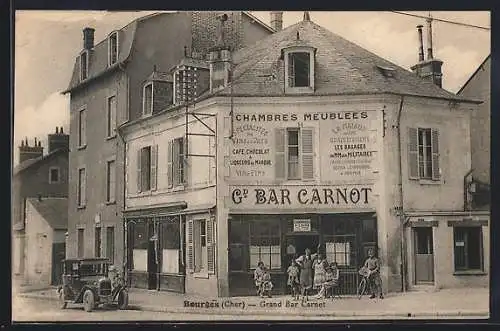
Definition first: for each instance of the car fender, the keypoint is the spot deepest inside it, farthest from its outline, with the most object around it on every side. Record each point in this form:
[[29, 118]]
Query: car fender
[[79, 298], [117, 291]]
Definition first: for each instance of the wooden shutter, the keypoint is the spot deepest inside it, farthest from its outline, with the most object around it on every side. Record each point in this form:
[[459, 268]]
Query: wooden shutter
[[139, 171], [307, 140], [413, 153], [211, 245], [435, 154], [280, 147], [184, 160], [170, 170], [189, 246], [154, 167]]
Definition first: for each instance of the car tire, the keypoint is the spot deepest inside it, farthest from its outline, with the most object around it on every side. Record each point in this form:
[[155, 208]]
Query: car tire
[[62, 302], [88, 301], [123, 299]]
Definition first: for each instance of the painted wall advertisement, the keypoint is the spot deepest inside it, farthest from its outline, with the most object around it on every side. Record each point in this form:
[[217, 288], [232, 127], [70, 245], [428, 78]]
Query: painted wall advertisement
[[345, 144]]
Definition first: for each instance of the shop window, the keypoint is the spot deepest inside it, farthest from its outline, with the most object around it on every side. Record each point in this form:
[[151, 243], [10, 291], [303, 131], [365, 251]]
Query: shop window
[[201, 246], [424, 154], [238, 245], [340, 249], [112, 48], [176, 162], [97, 242], [294, 153], [80, 241], [468, 248], [265, 244], [170, 243], [147, 99], [147, 165], [110, 243], [139, 247]]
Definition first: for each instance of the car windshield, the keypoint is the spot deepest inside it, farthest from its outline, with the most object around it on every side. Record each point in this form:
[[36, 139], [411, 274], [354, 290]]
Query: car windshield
[[92, 269]]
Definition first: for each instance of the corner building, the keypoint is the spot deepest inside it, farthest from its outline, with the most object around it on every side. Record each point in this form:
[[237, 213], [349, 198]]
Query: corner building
[[301, 140]]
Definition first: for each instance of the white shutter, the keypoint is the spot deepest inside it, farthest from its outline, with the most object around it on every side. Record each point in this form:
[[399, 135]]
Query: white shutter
[[413, 153], [170, 170], [307, 140], [189, 246], [139, 171], [280, 147], [211, 245], [154, 167], [435, 154]]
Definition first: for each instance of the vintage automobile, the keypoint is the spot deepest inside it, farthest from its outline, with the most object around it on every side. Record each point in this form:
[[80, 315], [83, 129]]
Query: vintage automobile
[[93, 282]]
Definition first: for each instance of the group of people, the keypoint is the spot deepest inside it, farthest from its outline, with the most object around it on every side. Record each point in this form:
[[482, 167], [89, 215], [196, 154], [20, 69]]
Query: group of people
[[313, 272]]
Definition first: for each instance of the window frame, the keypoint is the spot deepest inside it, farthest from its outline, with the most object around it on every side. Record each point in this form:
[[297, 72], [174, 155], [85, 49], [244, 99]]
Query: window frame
[[97, 241], [480, 240], [425, 157], [144, 113], [111, 119], [415, 145], [269, 236], [110, 194], [287, 154], [82, 127], [112, 35], [82, 188], [287, 52], [179, 172], [51, 181], [84, 70]]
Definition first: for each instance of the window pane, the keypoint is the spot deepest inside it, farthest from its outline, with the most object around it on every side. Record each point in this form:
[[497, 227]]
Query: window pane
[[301, 68]]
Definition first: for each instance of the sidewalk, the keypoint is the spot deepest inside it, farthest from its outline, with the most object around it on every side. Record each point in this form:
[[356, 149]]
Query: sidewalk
[[449, 303]]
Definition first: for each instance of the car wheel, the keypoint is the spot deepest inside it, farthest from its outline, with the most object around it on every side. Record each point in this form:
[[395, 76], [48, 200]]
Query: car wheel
[[88, 301], [123, 299], [62, 302]]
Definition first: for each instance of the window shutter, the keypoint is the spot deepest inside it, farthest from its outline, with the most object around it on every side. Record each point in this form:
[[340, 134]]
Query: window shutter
[[170, 170], [189, 246], [211, 245], [139, 171], [435, 154], [185, 159], [413, 153], [307, 137], [280, 161], [154, 167], [84, 187]]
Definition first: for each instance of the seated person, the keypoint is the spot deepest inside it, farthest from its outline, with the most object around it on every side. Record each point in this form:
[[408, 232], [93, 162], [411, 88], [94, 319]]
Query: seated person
[[332, 275], [262, 278]]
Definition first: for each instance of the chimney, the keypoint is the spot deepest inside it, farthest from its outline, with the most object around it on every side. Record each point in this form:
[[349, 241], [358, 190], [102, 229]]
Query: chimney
[[27, 152], [88, 38], [307, 17], [220, 59], [58, 140], [277, 20], [421, 43], [429, 69]]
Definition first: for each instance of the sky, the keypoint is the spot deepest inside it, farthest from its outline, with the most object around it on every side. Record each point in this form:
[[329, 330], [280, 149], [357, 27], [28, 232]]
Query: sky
[[47, 42]]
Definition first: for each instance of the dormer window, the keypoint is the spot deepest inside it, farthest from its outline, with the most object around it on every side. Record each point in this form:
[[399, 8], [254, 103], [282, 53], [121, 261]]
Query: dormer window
[[147, 99], [112, 48], [299, 73], [84, 65]]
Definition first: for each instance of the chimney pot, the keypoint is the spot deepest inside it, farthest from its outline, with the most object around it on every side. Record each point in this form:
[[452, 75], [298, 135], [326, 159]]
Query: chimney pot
[[307, 17], [421, 43], [430, 56], [62, 132], [57, 130], [88, 38], [277, 20]]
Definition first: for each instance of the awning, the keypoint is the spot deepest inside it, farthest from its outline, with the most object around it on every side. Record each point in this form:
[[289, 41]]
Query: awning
[[170, 210]]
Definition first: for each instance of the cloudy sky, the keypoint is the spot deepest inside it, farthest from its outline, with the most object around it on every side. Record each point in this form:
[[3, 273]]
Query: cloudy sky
[[46, 43]]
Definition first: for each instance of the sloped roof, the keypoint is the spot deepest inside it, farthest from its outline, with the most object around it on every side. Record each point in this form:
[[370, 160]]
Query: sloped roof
[[53, 210], [341, 67], [28, 163], [488, 58]]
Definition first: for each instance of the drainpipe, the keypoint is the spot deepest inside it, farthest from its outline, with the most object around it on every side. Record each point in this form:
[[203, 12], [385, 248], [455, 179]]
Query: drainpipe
[[401, 211]]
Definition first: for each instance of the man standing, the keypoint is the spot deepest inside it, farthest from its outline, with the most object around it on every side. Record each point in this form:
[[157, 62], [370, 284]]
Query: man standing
[[372, 264]]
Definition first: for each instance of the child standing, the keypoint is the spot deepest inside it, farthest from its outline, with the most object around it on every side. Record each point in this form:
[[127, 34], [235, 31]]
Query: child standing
[[262, 278], [293, 279]]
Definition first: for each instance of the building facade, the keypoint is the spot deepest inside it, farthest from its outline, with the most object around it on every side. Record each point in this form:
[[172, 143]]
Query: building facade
[[106, 89], [37, 175], [304, 140]]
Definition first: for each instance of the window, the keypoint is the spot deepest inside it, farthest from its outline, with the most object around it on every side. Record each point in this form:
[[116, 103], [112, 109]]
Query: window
[[82, 127], [201, 246], [468, 243], [110, 243], [54, 175], [139, 246], [298, 68], [80, 242], [147, 101], [112, 48], [97, 242], [294, 153], [110, 181], [238, 244], [82, 178], [424, 154], [111, 117], [84, 65], [170, 245], [176, 162], [147, 164], [265, 244]]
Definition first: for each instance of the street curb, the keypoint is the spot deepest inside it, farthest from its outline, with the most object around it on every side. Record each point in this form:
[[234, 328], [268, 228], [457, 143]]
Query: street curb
[[280, 312]]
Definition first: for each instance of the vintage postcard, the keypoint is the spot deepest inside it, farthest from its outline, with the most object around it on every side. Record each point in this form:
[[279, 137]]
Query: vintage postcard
[[251, 165]]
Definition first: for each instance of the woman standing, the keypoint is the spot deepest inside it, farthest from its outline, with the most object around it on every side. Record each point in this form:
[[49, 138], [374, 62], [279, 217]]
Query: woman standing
[[306, 271], [319, 266]]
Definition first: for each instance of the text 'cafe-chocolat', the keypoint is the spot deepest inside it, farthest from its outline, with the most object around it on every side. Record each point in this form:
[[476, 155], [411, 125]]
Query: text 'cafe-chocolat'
[[276, 224]]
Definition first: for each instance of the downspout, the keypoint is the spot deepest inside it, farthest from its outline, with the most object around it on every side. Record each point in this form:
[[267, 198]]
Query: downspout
[[401, 197]]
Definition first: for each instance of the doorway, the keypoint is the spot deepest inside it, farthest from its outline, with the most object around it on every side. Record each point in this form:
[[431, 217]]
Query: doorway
[[302, 241], [153, 259], [424, 255]]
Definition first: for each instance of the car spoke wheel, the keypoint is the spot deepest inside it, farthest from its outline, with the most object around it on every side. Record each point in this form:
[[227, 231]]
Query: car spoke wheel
[[88, 301], [123, 299], [62, 301]]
